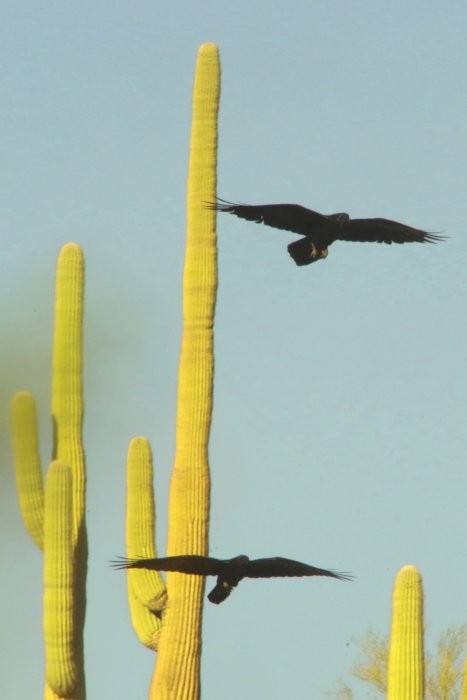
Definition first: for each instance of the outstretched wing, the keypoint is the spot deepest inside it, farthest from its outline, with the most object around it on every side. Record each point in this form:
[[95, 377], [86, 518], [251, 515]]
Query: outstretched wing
[[278, 566], [185, 564], [288, 217], [384, 231]]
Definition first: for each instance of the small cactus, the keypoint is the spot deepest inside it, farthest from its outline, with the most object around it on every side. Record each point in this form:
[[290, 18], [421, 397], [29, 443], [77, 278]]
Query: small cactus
[[406, 662]]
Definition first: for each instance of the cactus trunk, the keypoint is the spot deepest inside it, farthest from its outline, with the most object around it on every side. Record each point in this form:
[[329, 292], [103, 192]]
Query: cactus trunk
[[406, 662], [177, 674]]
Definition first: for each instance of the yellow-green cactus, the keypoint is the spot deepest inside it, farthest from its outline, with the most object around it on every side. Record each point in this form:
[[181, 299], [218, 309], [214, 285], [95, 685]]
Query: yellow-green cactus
[[64, 617], [67, 383], [406, 663], [60, 662], [177, 673], [146, 589], [28, 464]]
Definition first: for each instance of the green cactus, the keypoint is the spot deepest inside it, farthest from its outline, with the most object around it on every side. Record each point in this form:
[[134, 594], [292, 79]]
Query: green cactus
[[56, 522], [67, 383], [146, 589], [406, 662], [28, 464], [60, 661], [177, 673]]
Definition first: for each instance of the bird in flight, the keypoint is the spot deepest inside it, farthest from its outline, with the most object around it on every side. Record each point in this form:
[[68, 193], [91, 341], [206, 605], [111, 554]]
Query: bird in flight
[[320, 230], [228, 571]]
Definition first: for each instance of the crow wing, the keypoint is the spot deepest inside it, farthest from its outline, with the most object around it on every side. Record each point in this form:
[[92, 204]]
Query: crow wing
[[384, 231], [288, 217], [185, 564], [278, 566]]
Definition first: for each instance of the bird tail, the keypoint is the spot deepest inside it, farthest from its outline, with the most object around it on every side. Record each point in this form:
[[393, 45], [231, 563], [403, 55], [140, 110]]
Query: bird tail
[[220, 592], [304, 252]]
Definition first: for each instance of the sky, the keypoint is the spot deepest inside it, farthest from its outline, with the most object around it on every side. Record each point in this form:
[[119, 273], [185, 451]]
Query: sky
[[338, 434]]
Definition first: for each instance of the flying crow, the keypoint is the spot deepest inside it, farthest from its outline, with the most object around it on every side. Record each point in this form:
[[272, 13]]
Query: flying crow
[[228, 571], [320, 230]]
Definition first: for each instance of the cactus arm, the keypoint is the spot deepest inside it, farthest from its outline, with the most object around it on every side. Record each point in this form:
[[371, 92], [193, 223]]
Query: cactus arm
[[60, 665], [146, 589], [27, 464]]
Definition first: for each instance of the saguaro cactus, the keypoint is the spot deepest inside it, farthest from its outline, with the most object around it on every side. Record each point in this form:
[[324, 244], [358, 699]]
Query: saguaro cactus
[[405, 666], [60, 516], [177, 673]]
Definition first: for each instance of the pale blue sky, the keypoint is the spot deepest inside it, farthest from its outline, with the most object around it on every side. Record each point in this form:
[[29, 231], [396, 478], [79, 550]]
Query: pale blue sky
[[339, 422]]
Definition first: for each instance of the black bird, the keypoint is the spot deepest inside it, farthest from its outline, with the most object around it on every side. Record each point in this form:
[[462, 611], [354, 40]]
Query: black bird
[[228, 571], [320, 230]]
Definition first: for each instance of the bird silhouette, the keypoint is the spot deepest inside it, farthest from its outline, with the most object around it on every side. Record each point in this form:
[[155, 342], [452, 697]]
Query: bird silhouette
[[320, 230], [228, 571]]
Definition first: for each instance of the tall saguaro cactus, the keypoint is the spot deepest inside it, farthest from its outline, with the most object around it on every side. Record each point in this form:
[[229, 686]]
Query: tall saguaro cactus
[[405, 666], [177, 674]]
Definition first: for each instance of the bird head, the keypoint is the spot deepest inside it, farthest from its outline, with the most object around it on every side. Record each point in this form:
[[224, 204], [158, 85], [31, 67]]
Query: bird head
[[239, 561], [341, 218]]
